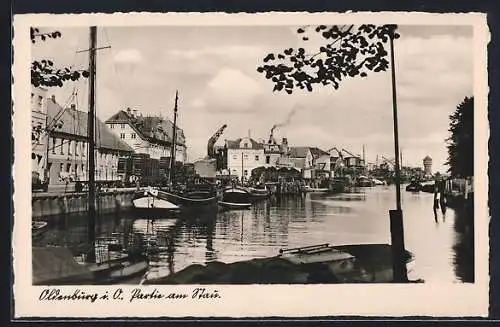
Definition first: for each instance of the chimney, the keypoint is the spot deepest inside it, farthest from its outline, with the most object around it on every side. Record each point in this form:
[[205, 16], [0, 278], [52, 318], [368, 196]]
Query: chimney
[[284, 141], [73, 106], [53, 97], [129, 111]]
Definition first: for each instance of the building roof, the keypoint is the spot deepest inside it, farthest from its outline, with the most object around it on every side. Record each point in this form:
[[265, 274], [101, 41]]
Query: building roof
[[427, 158], [150, 128], [235, 144], [317, 152], [298, 151], [75, 123]]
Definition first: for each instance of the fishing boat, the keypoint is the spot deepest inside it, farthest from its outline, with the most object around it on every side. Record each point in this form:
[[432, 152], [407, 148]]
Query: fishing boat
[[236, 194], [57, 265], [188, 197], [150, 205]]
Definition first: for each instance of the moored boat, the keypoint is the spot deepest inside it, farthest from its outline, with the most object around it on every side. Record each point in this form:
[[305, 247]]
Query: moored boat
[[188, 199], [414, 186], [308, 189], [150, 205], [236, 194], [234, 206], [259, 193], [337, 185], [57, 266], [364, 181], [38, 227], [348, 263]]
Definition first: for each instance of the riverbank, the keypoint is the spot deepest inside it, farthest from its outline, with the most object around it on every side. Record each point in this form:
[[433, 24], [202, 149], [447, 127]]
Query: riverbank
[[46, 204]]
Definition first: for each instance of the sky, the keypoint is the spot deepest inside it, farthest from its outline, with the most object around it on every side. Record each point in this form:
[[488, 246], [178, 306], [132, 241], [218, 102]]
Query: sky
[[214, 70]]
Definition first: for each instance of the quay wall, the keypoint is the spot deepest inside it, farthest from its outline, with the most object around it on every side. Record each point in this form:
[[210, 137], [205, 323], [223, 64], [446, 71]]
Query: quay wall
[[46, 205]]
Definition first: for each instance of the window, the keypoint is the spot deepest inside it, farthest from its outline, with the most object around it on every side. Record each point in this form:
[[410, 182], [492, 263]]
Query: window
[[122, 135], [112, 126], [256, 158], [246, 172], [235, 156], [61, 168], [245, 145], [132, 135], [122, 126], [61, 151], [70, 145], [68, 167], [246, 156], [268, 159], [40, 99], [54, 145]]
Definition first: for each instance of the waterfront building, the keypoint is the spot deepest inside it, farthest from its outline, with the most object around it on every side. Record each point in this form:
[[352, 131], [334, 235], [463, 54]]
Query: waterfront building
[[67, 149], [321, 163], [303, 160], [148, 134], [427, 162], [39, 138], [244, 155]]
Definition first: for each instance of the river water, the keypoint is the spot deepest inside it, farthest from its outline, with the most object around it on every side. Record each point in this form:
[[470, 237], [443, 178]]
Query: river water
[[442, 246]]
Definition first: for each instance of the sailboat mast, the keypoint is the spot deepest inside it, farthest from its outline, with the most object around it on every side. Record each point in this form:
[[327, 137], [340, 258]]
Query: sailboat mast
[[91, 146], [174, 139]]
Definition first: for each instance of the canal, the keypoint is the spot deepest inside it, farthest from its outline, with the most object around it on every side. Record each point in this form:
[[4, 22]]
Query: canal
[[442, 245]]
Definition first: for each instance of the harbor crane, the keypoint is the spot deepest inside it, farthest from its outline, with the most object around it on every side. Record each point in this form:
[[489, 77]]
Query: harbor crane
[[212, 140], [340, 160], [349, 153], [388, 160]]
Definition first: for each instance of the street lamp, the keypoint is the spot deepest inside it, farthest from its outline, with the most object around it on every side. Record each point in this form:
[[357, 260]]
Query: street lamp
[[400, 274]]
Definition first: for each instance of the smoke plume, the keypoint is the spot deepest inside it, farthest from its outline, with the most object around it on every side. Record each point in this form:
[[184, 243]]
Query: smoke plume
[[288, 118]]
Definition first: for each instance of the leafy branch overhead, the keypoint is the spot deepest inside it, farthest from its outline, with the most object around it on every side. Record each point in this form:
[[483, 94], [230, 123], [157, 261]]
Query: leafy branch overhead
[[44, 72], [349, 52]]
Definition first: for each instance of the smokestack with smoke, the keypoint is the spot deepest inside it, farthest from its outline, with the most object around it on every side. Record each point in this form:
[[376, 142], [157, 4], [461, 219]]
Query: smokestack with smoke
[[287, 120]]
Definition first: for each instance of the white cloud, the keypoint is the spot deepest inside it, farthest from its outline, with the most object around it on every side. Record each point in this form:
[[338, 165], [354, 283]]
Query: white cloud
[[229, 51], [129, 56], [231, 90]]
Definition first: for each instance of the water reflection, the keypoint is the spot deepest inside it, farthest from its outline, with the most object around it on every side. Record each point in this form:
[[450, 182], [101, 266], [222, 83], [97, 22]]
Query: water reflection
[[443, 250]]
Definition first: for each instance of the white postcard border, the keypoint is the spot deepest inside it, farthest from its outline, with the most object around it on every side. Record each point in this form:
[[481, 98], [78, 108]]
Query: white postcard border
[[453, 300]]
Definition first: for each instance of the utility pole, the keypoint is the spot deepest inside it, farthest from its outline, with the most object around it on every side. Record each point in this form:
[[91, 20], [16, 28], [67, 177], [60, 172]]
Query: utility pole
[[91, 147], [396, 216], [242, 169], [174, 141]]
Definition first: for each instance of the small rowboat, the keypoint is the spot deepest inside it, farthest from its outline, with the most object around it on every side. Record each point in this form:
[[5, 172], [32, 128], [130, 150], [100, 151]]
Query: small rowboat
[[231, 205], [38, 227]]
